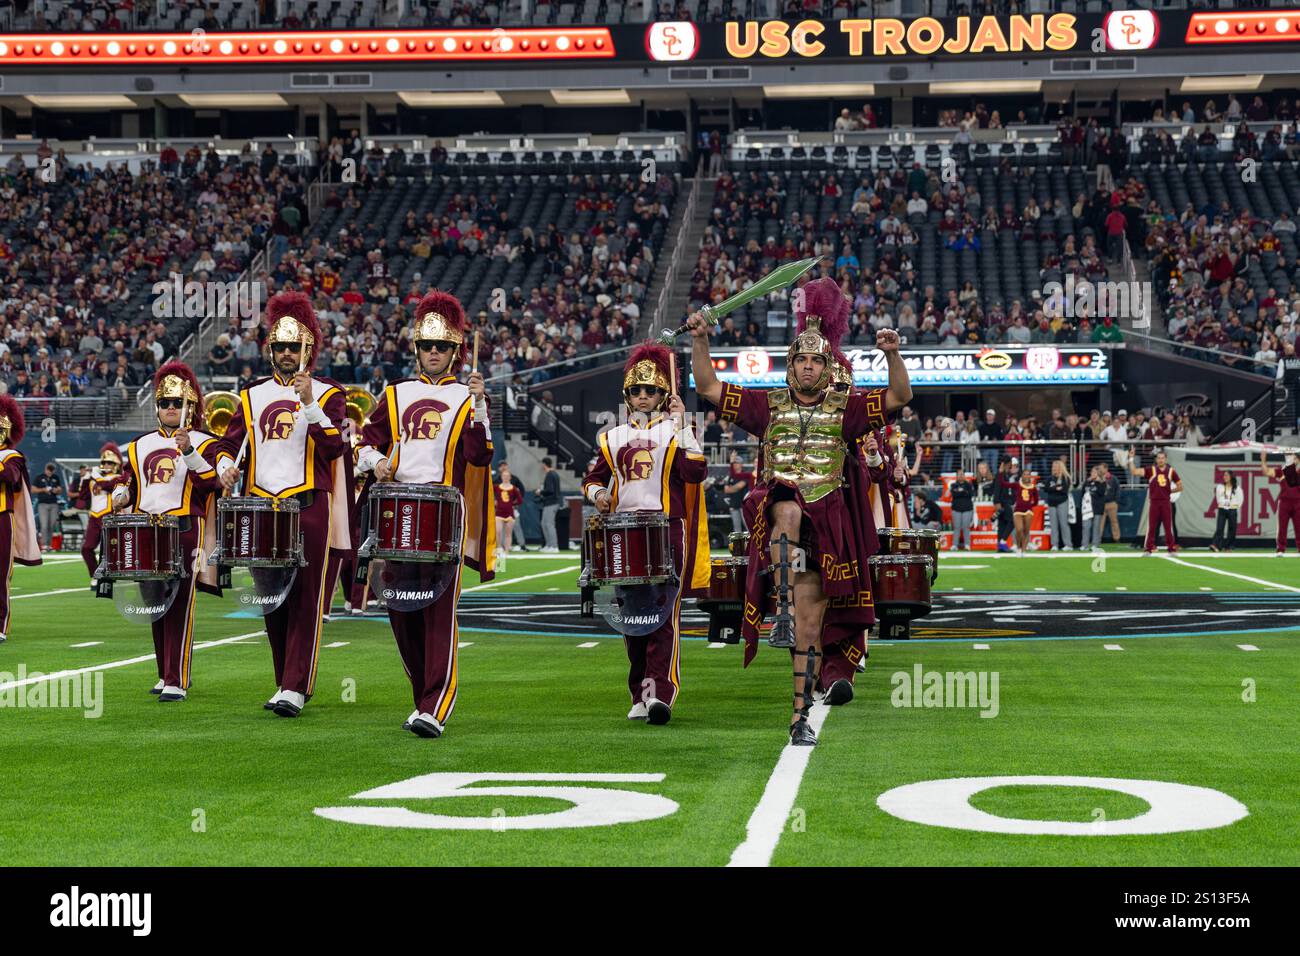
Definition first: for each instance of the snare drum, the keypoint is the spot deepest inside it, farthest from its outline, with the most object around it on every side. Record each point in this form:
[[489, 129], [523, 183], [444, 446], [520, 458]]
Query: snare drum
[[920, 541], [415, 522], [629, 548], [141, 547], [727, 580], [901, 584], [255, 532], [738, 544]]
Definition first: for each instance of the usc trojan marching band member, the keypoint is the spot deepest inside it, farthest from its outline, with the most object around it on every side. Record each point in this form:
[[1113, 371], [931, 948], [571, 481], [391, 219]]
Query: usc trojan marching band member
[[653, 463], [169, 473], [803, 516], [18, 541], [293, 424], [433, 430], [93, 495]]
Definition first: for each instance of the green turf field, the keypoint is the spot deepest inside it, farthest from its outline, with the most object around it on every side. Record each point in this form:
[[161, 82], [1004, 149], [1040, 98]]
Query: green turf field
[[217, 780]]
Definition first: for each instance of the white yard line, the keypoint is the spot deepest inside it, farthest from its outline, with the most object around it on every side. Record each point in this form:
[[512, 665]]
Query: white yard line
[[1232, 574], [767, 822], [460, 644], [19, 597], [57, 675], [339, 644], [87, 644], [527, 577], [589, 644]]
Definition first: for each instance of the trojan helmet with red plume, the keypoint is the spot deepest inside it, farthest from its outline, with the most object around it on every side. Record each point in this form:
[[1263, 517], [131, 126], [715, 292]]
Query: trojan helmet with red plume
[[289, 317], [649, 364], [110, 459], [177, 380], [12, 426], [440, 318], [822, 312]]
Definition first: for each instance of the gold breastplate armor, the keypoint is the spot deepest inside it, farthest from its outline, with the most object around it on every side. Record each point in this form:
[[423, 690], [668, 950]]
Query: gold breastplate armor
[[804, 445]]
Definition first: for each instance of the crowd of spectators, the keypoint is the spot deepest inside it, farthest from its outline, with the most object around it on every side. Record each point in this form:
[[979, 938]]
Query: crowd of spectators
[[888, 294], [80, 256], [589, 299]]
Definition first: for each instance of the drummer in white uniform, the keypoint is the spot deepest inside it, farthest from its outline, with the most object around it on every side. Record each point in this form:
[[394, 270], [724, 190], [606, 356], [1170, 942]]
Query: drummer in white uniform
[[432, 430], [654, 464]]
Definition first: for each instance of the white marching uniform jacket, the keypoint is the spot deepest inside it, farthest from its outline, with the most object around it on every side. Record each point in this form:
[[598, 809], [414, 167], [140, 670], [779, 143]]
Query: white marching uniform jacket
[[280, 459], [425, 420], [638, 464], [161, 471]]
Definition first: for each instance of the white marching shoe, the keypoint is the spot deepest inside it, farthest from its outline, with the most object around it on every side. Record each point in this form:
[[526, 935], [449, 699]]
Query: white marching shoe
[[425, 725], [171, 693], [657, 712], [275, 699], [638, 712], [406, 724], [157, 688], [290, 704]]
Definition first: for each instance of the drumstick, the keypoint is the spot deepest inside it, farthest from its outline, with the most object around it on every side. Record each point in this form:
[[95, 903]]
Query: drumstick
[[302, 351], [672, 373], [185, 411], [225, 492], [475, 367]]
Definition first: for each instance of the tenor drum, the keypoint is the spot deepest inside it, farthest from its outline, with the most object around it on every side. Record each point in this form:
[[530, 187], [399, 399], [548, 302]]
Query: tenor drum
[[901, 584], [421, 523], [628, 548], [141, 547], [903, 541], [256, 532], [727, 580]]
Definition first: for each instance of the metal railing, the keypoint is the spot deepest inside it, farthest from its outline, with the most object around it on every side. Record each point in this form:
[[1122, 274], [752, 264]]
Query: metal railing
[[679, 245], [85, 412], [938, 458]]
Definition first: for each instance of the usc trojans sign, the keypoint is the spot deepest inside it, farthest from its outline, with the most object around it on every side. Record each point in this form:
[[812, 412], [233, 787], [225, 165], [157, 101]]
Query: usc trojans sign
[[887, 36]]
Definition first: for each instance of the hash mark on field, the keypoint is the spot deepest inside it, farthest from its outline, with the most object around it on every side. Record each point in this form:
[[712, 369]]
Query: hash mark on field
[[1248, 647], [1040, 589], [1207, 589], [981, 647], [87, 644], [339, 644], [715, 644], [1112, 647], [1121, 589], [590, 644], [461, 644]]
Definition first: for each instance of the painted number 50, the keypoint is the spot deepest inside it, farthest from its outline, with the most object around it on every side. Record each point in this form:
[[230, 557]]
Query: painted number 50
[[592, 806]]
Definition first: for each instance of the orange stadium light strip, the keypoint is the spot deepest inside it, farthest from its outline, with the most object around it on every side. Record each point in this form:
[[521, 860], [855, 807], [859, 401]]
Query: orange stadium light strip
[[1256, 27], [189, 49]]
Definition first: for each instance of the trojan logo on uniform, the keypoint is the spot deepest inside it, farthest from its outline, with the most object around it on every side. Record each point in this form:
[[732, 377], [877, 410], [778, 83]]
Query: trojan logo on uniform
[[422, 419], [160, 466], [278, 420], [635, 463]]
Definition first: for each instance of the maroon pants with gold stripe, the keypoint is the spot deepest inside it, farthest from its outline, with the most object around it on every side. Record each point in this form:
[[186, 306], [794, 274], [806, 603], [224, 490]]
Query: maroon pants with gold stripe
[[90, 545], [294, 627], [6, 566], [655, 659], [426, 641], [173, 633]]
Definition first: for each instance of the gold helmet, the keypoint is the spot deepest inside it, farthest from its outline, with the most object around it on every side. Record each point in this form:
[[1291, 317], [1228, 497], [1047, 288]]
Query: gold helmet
[[822, 312], [648, 364], [811, 341], [289, 317], [439, 317]]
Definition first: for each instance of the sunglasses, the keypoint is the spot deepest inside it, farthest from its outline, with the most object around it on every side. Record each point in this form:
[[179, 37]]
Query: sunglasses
[[426, 345], [650, 390], [286, 347], [171, 402]]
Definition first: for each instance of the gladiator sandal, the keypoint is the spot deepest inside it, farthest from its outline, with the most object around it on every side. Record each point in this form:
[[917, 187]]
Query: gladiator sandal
[[782, 634], [801, 732]]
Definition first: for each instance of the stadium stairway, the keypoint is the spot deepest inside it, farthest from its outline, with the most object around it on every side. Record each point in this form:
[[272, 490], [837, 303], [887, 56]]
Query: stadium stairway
[[679, 294]]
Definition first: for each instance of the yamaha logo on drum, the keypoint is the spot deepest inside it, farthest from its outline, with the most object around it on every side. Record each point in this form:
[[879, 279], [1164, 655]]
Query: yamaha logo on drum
[[616, 554], [245, 534], [405, 528], [128, 548], [408, 509]]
